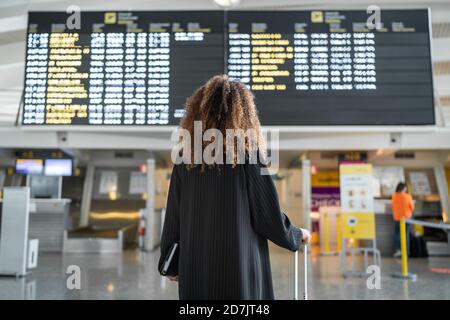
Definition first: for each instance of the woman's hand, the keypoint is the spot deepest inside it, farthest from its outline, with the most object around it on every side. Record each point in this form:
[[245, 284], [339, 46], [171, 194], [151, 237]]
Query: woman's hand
[[173, 278], [306, 236]]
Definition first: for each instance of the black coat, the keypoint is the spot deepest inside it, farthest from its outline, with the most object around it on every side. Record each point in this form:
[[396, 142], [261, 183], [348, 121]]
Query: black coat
[[222, 220]]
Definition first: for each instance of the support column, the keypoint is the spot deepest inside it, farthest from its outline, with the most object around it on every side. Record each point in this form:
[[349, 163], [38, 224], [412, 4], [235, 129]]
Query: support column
[[441, 180], [150, 239], [86, 197]]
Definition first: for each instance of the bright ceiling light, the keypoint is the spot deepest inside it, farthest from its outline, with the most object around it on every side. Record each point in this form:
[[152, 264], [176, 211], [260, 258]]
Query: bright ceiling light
[[227, 3]]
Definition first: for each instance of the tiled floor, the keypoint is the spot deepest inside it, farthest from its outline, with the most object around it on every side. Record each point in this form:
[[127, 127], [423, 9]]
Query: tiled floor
[[132, 275]]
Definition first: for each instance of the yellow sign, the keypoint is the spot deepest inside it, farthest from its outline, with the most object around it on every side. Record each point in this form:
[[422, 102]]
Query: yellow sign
[[317, 16], [355, 169], [110, 17], [358, 225], [358, 219], [325, 179]]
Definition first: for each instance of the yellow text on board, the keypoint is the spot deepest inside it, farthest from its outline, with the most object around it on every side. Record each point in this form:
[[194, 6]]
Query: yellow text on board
[[355, 169]]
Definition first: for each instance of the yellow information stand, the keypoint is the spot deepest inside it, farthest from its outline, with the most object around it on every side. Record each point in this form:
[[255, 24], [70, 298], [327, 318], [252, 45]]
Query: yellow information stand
[[358, 225], [357, 215], [338, 235]]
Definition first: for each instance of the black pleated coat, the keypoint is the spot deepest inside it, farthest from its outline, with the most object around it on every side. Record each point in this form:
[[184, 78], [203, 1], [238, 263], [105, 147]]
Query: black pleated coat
[[222, 220]]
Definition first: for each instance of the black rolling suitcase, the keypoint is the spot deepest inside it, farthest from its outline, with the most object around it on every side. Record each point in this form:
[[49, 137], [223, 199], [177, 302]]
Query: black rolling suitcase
[[417, 247]]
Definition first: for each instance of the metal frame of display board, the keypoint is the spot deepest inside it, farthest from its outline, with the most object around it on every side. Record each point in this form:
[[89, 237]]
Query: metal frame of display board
[[168, 128]]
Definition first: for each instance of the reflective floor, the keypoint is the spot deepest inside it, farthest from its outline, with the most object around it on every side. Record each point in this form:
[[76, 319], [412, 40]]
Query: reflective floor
[[132, 275]]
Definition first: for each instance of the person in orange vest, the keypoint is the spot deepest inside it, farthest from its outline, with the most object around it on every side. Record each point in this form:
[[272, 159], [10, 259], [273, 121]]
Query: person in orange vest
[[402, 207]]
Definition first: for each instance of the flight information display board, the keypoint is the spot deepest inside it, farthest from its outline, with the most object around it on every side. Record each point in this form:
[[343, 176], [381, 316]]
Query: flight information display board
[[328, 68], [119, 68], [304, 67]]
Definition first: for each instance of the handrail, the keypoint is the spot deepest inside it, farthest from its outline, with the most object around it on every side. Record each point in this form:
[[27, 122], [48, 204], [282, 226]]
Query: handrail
[[440, 225]]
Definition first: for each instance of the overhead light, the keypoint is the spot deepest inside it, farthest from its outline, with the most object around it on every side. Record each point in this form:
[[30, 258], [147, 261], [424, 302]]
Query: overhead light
[[110, 288], [227, 3]]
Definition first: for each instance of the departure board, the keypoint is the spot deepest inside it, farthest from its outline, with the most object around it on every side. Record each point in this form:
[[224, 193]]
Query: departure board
[[304, 67], [119, 68], [328, 68]]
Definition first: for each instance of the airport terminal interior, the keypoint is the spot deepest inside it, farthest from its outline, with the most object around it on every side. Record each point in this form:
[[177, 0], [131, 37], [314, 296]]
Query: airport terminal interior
[[354, 97]]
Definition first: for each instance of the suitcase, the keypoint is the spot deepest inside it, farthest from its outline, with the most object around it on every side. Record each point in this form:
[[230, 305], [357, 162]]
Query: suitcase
[[417, 247], [305, 273]]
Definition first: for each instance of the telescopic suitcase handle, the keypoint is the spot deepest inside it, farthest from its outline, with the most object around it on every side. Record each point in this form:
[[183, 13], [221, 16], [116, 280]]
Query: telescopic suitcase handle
[[305, 273]]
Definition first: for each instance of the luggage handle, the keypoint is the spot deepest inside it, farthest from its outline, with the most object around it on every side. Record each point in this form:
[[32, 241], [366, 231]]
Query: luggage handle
[[305, 273]]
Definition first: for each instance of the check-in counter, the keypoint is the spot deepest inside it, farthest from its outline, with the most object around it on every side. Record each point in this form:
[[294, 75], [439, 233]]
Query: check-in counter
[[424, 210], [384, 226], [48, 220]]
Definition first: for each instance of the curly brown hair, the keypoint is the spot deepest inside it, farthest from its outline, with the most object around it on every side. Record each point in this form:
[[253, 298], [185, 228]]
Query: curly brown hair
[[224, 104]]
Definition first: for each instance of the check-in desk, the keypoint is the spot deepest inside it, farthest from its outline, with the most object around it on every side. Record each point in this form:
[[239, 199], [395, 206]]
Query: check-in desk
[[384, 226], [48, 220], [437, 242]]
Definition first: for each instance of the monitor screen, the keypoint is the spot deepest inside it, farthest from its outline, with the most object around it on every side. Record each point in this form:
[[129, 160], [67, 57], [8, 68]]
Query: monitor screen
[[328, 68], [29, 166], [322, 67], [120, 68], [58, 167]]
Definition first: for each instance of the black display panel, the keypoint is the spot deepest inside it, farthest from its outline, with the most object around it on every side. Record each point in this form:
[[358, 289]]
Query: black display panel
[[119, 68], [328, 68], [304, 67]]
